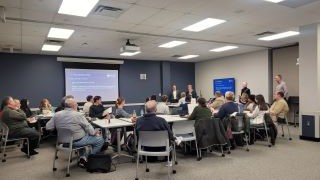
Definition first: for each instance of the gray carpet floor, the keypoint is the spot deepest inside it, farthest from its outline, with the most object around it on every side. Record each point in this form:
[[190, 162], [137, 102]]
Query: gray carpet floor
[[294, 160]]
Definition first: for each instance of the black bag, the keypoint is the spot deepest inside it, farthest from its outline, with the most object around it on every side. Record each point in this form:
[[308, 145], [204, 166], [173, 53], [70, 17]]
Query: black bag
[[100, 163], [130, 144]]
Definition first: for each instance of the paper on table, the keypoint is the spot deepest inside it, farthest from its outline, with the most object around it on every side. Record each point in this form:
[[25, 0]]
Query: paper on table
[[107, 111]]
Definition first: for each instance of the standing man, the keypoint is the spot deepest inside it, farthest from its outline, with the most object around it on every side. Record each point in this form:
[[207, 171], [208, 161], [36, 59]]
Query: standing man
[[281, 86], [191, 92], [174, 95], [245, 89]]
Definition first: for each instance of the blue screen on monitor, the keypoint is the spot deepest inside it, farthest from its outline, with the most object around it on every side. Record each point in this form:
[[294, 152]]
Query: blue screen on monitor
[[224, 85]]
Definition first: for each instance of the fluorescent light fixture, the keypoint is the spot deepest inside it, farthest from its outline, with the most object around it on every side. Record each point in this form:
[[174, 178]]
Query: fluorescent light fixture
[[129, 53], [279, 36], [50, 47], [172, 44], [77, 7], [224, 48], [204, 24], [188, 56], [60, 33], [275, 1]]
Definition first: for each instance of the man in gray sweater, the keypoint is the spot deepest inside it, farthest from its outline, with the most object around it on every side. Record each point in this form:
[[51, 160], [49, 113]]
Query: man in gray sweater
[[16, 121], [82, 131]]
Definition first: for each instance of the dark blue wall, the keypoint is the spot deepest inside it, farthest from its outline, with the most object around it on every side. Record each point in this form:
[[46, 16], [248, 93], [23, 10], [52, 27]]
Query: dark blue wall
[[38, 76], [31, 76], [182, 74]]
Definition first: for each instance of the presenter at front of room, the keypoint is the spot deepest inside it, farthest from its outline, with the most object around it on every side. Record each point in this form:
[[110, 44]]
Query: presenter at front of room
[[191, 92], [244, 90], [174, 95], [281, 86]]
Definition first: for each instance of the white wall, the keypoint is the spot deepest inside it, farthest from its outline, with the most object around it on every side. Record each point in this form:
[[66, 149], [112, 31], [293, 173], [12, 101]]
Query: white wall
[[284, 63], [251, 67]]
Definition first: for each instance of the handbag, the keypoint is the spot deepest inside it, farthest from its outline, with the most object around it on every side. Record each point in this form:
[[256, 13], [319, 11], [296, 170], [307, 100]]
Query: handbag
[[100, 163]]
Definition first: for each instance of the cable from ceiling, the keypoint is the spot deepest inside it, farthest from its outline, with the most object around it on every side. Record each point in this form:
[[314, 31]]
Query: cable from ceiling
[[3, 14], [134, 33]]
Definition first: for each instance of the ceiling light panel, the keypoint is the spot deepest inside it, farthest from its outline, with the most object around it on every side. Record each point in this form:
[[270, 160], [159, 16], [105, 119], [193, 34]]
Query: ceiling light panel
[[77, 7], [50, 47], [224, 48], [204, 24], [172, 44], [279, 36], [188, 56], [60, 33]]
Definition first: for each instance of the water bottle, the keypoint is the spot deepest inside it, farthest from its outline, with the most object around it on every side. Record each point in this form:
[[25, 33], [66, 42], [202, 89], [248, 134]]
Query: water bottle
[[134, 114], [141, 112]]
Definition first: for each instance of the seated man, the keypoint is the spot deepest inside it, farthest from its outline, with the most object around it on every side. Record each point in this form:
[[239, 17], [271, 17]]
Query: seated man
[[16, 120], [83, 133], [279, 108], [150, 122], [227, 108]]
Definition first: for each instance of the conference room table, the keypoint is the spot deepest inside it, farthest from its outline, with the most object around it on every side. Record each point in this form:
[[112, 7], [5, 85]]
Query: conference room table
[[122, 123], [118, 124]]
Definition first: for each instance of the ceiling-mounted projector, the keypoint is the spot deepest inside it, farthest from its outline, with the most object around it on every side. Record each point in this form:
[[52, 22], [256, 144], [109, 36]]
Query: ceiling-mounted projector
[[129, 48]]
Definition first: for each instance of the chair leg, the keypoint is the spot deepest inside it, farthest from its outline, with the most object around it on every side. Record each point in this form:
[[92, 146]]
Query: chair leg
[[267, 134], [175, 154], [169, 167], [289, 131], [247, 144], [147, 169], [137, 166], [54, 160], [282, 130], [68, 169], [198, 157], [222, 152], [4, 152]]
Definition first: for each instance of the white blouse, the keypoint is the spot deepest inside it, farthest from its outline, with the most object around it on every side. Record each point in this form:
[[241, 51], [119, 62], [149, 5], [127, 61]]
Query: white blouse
[[257, 116]]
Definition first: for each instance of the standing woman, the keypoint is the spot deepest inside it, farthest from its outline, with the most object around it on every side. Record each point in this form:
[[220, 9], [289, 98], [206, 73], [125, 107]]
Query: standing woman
[[45, 106]]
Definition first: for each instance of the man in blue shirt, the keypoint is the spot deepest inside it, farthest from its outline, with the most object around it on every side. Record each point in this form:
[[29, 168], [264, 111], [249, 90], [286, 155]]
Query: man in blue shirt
[[227, 108]]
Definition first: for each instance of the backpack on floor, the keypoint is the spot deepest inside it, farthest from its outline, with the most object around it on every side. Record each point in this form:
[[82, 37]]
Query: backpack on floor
[[100, 163]]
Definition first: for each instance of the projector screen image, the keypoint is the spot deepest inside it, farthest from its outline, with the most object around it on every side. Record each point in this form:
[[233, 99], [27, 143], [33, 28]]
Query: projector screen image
[[224, 85], [97, 82]]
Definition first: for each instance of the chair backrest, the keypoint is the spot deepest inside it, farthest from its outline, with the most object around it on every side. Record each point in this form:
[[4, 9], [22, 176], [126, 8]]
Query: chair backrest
[[64, 136], [153, 139], [183, 127], [237, 122]]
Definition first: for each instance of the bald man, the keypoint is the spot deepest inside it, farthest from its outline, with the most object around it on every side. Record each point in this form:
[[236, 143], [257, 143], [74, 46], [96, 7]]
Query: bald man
[[82, 131], [245, 89], [151, 122]]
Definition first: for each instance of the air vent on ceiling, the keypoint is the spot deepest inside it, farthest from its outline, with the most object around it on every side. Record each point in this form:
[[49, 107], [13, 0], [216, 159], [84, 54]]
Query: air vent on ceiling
[[176, 56], [103, 10], [296, 3], [266, 33], [11, 50], [51, 41]]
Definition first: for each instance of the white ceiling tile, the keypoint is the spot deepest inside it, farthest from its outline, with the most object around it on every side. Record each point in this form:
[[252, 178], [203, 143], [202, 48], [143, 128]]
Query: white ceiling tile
[[10, 3], [41, 5], [38, 15], [10, 28], [136, 14], [162, 18]]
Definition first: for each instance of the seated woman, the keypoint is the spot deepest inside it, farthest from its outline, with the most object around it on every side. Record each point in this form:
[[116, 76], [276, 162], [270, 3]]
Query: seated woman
[[120, 112], [244, 98], [219, 100], [31, 120], [45, 107], [182, 100], [251, 104], [162, 107], [201, 111], [257, 117]]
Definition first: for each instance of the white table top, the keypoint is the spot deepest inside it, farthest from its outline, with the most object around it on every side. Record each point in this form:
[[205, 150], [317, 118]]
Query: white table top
[[173, 118], [114, 123], [173, 105], [168, 118]]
